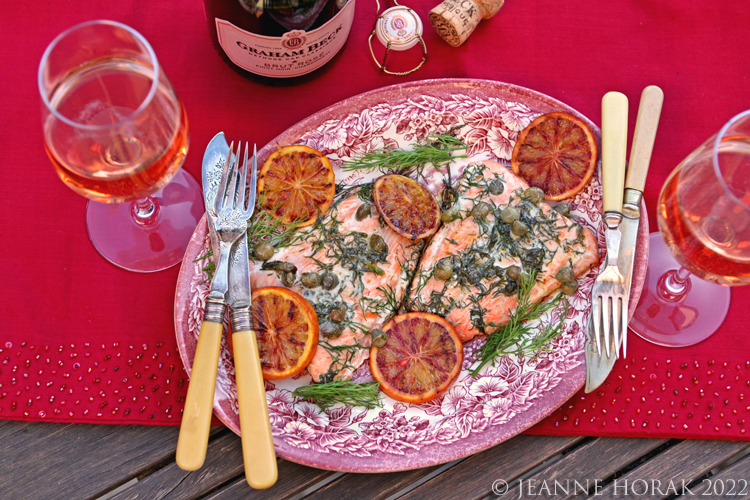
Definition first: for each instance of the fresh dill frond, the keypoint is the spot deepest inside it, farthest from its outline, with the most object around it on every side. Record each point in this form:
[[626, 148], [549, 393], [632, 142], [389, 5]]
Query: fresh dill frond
[[209, 268], [264, 227], [347, 392], [517, 336], [436, 150]]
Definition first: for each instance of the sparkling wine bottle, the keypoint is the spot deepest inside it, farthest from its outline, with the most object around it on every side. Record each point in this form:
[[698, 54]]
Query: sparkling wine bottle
[[278, 38]]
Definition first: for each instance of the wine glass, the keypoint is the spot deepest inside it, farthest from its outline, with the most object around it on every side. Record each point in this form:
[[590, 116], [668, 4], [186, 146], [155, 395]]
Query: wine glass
[[704, 220], [117, 134]]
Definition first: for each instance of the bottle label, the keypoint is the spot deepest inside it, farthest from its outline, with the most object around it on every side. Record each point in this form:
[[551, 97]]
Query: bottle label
[[293, 54]]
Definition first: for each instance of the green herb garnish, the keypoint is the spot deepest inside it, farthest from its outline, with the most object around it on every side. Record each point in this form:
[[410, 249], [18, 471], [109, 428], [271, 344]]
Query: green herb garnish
[[436, 150], [346, 392], [209, 268], [517, 336]]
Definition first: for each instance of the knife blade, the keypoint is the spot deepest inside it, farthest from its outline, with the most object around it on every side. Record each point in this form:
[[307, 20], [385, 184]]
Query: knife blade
[[255, 427], [192, 442], [649, 110]]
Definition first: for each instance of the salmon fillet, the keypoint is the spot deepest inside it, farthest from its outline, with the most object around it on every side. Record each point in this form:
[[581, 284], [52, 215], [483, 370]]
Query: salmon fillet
[[371, 284], [481, 249]]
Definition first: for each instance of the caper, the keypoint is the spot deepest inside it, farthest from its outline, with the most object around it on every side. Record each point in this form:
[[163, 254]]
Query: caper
[[338, 314], [570, 287], [534, 194], [264, 250], [287, 278], [378, 244], [363, 212], [519, 228], [450, 215], [496, 187], [277, 265], [509, 215], [379, 337], [513, 273], [565, 275], [480, 210], [444, 269], [563, 209], [331, 330], [329, 280], [310, 280]]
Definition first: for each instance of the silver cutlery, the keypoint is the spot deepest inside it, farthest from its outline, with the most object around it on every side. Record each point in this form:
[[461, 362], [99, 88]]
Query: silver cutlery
[[255, 426], [609, 305], [228, 226], [649, 110]]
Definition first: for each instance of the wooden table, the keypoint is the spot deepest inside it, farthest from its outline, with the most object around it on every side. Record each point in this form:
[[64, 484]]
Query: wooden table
[[54, 461]]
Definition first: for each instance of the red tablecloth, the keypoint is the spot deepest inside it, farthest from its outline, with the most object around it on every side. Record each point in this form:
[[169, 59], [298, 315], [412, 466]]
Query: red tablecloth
[[83, 341]]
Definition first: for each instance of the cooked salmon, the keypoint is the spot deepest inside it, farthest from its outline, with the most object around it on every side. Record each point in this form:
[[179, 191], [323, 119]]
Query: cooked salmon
[[465, 273], [362, 271]]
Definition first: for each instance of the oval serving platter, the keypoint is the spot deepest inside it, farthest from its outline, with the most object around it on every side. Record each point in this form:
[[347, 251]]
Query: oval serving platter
[[476, 413]]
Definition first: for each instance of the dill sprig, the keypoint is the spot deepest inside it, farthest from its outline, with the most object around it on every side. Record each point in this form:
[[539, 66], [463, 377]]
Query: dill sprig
[[346, 392], [517, 336], [262, 226], [210, 267], [436, 150]]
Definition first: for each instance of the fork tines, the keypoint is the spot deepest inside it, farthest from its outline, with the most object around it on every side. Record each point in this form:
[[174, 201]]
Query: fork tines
[[236, 176]]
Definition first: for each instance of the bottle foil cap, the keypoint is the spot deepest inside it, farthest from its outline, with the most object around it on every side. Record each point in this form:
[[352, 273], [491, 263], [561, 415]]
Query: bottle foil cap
[[400, 27]]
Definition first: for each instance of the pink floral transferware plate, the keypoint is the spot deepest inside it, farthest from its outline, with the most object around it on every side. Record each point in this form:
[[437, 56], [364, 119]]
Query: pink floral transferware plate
[[476, 413]]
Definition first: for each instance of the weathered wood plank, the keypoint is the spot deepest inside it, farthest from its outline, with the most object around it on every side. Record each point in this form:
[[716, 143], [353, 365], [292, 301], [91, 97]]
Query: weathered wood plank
[[223, 465], [685, 461], [732, 483], [579, 470], [8, 427], [473, 477], [370, 486], [51, 461], [293, 479]]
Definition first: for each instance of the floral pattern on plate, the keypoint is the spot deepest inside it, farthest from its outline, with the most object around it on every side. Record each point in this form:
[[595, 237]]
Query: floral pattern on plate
[[476, 412]]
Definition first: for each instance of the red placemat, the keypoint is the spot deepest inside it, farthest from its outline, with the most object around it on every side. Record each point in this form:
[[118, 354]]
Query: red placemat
[[84, 341]]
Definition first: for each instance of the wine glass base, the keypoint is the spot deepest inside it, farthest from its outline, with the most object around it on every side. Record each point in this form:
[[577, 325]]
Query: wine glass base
[[691, 318], [156, 245]]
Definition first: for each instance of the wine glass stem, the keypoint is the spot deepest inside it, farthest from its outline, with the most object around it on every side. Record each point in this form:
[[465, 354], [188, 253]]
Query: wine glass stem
[[675, 283], [145, 211]]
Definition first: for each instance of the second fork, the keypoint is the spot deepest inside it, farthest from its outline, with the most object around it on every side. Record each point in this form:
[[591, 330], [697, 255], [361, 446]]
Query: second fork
[[609, 305]]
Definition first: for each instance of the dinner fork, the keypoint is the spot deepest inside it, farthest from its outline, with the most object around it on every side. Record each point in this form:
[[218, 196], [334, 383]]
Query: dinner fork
[[609, 304], [230, 225]]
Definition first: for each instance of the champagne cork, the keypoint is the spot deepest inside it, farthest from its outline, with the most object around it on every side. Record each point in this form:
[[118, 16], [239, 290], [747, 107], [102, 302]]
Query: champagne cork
[[454, 20]]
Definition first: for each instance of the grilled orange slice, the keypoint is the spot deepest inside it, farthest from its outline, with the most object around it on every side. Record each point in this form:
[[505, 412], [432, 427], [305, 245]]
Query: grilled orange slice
[[557, 152], [295, 184], [407, 206], [287, 330], [421, 358]]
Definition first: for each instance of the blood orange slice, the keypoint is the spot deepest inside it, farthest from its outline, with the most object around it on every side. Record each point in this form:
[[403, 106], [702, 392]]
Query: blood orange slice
[[421, 358], [557, 152], [407, 206], [287, 330], [296, 183]]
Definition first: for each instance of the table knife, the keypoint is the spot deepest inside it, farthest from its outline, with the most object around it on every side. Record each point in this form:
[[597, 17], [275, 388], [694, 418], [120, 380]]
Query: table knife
[[255, 427], [192, 442], [646, 124], [649, 110]]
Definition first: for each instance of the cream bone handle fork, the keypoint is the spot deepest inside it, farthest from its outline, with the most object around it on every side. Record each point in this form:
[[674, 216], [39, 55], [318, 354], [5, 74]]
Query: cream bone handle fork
[[609, 307]]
